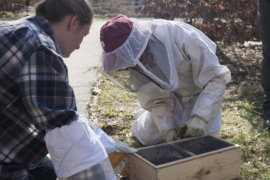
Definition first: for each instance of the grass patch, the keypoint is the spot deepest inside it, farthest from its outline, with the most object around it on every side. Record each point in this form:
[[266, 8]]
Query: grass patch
[[114, 102], [242, 124]]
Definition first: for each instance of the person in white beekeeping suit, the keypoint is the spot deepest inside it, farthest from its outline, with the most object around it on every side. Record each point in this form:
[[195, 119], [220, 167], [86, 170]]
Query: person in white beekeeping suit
[[174, 71]]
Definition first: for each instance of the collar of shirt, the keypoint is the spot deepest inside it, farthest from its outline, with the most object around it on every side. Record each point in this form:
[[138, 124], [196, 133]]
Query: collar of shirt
[[43, 24]]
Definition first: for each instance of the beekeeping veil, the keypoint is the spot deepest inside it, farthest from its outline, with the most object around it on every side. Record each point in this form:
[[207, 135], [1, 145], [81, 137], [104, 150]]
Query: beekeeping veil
[[133, 56]]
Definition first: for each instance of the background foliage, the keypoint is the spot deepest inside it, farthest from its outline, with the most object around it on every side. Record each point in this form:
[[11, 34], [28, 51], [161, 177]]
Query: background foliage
[[226, 20], [15, 5], [222, 20], [111, 8]]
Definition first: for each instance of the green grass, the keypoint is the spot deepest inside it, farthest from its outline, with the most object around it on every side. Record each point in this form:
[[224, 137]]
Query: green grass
[[115, 102], [242, 125]]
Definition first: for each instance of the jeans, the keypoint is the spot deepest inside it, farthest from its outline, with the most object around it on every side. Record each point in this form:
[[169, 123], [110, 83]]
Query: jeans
[[264, 32], [44, 171]]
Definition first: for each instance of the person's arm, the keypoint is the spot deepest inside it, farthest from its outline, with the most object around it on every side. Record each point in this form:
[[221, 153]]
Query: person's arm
[[207, 73], [45, 91], [161, 106]]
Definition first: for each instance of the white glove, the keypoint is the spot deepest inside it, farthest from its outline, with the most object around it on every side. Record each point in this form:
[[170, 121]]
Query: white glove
[[123, 147], [117, 151], [111, 145], [164, 122], [195, 127], [169, 135], [119, 158]]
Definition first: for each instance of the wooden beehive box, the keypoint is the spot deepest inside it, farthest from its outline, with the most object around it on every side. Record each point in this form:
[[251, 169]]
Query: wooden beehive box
[[202, 158]]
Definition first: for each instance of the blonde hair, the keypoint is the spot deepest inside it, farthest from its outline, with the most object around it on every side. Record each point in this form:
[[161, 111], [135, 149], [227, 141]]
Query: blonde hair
[[56, 10]]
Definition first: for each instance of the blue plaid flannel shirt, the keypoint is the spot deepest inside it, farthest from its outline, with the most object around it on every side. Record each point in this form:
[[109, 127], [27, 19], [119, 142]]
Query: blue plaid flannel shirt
[[34, 92]]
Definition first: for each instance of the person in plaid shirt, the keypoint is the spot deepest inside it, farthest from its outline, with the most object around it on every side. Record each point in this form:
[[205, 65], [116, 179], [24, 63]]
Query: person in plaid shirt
[[37, 104]]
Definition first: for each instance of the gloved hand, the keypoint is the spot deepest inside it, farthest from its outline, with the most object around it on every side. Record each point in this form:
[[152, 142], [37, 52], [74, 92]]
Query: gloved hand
[[119, 158], [193, 127], [123, 147], [169, 135], [117, 151], [162, 117]]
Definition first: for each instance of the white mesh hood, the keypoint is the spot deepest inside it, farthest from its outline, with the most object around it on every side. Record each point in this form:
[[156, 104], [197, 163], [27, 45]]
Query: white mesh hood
[[128, 54], [141, 59]]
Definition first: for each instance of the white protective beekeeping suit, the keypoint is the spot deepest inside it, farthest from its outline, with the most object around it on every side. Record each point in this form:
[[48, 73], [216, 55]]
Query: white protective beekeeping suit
[[81, 145], [190, 89]]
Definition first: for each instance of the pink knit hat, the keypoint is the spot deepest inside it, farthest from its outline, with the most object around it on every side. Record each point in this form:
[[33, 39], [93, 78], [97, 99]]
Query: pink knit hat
[[115, 32]]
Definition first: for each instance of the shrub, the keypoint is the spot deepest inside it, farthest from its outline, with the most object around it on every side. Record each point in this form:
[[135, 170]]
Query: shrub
[[226, 20]]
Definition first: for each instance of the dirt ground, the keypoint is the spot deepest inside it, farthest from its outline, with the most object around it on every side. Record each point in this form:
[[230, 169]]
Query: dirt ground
[[243, 61]]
